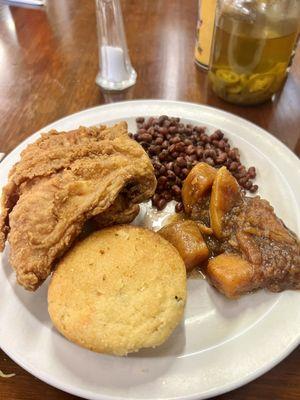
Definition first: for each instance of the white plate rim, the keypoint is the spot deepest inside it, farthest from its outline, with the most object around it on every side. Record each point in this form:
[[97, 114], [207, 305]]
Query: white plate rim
[[150, 102], [271, 139]]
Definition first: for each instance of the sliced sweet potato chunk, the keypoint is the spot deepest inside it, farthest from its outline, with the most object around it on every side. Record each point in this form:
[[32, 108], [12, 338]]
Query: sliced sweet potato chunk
[[225, 194], [197, 185], [232, 275], [205, 230], [186, 237]]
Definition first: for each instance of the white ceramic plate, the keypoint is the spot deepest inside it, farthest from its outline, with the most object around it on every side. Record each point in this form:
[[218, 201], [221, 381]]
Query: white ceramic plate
[[220, 345]]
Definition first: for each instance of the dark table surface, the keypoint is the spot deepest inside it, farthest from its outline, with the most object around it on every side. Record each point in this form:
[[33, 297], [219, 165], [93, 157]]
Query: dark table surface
[[48, 64]]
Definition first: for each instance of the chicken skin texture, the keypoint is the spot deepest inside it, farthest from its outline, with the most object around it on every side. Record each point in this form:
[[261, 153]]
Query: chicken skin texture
[[63, 180]]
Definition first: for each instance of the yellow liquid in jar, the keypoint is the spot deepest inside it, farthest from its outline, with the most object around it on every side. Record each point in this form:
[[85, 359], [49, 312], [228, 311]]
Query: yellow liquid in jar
[[249, 64]]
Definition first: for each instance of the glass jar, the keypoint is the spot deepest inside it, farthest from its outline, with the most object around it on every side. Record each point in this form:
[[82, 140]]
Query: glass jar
[[253, 43], [205, 32]]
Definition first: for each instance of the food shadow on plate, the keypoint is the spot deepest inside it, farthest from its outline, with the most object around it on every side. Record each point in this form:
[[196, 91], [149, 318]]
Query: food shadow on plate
[[34, 302], [96, 369], [173, 346], [232, 308]]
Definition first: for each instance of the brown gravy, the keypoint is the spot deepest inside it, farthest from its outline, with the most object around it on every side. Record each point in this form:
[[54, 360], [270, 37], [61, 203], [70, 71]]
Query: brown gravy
[[254, 231]]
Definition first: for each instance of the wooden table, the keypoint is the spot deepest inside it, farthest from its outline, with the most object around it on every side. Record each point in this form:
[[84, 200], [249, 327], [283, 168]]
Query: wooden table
[[48, 64]]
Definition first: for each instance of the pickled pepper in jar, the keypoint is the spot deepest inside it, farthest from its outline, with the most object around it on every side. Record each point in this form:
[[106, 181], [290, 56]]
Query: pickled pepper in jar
[[253, 43]]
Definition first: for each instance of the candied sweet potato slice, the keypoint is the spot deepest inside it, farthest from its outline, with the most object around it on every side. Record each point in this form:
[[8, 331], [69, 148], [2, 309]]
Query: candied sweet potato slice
[[232, 275], [196, 185], [205, 230], [186, 237], [225, 195]]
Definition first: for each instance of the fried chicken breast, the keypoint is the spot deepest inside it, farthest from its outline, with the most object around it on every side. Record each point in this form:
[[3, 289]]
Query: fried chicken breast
[[63, 180]]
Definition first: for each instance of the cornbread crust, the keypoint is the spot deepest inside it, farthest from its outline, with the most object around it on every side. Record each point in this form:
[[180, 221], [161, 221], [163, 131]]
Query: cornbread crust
[[119, 290]]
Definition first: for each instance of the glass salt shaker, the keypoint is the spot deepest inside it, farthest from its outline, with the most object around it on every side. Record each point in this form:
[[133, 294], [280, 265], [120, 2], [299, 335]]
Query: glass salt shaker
[[115, 69]]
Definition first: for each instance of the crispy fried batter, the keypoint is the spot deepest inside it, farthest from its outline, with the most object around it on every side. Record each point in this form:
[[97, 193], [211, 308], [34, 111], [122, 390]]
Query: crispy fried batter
[[62, 180], [122, 211]]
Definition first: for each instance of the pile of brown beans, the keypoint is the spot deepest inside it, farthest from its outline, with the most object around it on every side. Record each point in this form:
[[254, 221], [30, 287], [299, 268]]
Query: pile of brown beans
[[174, 148]]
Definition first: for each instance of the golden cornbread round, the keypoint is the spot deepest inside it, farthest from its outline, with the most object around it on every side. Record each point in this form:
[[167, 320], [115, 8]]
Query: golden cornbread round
[[119, 290]]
